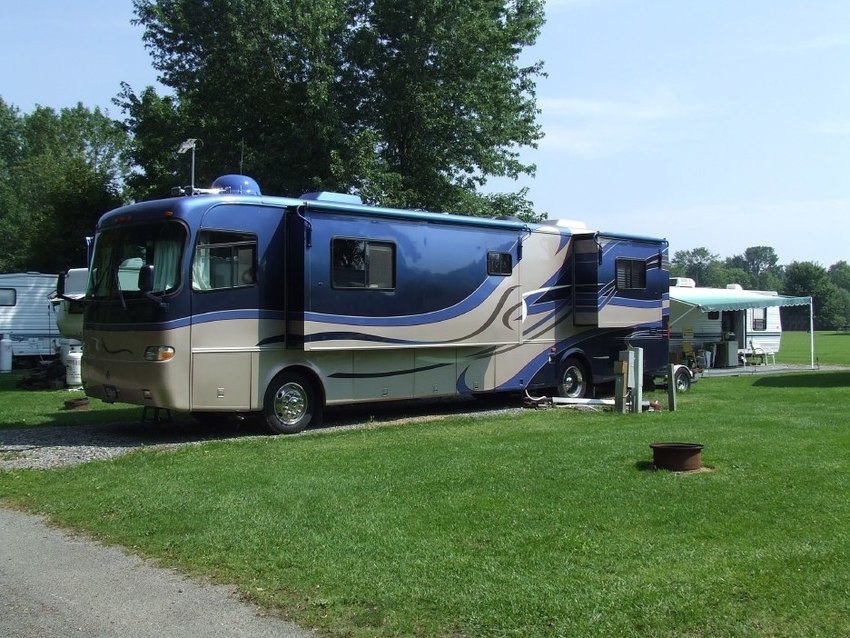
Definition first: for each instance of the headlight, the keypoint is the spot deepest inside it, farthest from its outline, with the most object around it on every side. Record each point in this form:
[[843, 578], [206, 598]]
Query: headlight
[[159, 353]]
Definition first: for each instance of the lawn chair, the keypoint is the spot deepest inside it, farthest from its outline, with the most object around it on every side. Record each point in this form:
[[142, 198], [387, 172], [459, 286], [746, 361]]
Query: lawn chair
[[755, 355]]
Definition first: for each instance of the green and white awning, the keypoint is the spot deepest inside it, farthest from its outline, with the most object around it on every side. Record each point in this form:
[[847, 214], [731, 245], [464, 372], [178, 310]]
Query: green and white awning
[[714, 299]]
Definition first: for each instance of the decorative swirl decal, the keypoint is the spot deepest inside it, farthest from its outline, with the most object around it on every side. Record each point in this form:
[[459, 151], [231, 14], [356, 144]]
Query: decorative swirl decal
[[119, 351]]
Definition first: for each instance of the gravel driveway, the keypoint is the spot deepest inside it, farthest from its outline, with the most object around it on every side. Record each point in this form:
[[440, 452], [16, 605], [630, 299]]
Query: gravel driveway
[[50, 447]]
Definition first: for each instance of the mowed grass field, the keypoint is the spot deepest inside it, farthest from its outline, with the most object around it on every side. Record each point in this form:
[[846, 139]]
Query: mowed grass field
[[831, 348], [530, 523], [20, 407]]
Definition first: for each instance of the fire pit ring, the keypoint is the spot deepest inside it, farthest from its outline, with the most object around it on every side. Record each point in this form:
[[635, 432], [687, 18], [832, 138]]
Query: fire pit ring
[[677, 457]]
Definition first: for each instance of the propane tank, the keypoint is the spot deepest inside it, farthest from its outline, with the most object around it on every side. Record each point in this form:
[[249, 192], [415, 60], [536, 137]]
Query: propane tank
[[5, 354], [73, 368]]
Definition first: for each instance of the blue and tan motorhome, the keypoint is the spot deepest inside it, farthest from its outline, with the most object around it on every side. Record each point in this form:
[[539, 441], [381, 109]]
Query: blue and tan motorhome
[[233, 301]]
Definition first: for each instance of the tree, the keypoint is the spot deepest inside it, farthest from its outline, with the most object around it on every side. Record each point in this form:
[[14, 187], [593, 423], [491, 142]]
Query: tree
[[839, 273], [446, 97], [720, 274], [806, 278], [761, 265], [61, 172], [695, 263], [410, 103], [153, 124], [11, 138]]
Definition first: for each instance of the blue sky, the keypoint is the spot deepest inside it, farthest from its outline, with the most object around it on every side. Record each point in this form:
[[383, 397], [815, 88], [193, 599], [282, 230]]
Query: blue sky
[[715, 123]]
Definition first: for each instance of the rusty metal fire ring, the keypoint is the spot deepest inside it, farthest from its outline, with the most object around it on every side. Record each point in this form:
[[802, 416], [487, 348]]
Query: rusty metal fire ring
[[77, 404], [677, 457]]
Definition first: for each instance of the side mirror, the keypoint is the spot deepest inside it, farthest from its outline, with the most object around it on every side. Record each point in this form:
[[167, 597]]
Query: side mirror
[[146, 278]]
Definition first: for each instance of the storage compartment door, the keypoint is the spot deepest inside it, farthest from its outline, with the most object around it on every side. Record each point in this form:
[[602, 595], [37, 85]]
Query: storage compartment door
[[221, 381]]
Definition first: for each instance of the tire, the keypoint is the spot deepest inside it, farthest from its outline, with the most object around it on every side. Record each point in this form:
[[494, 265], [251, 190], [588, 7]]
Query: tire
[[290, 404], [682, 378], [573, 380]]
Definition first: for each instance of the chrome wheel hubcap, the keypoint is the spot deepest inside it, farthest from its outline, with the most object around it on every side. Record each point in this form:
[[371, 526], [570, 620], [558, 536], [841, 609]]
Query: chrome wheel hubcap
[[290, 403]]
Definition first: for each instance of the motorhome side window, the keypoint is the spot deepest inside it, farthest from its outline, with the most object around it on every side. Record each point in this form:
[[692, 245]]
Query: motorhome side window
[[8, 297], [631, 274], [499, 264], [360, 263], [759, 318], [224, 260]]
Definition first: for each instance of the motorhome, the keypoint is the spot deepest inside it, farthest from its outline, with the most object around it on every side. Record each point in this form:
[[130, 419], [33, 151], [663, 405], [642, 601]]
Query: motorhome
[[26, 313], [231, 301]]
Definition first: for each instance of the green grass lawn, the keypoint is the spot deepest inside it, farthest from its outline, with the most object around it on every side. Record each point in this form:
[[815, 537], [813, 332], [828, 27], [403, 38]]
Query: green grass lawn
[[546, 523], [31, 408], [831, 348]]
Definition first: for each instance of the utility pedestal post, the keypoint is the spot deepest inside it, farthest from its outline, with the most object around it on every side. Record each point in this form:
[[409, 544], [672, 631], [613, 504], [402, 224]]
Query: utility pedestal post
[[671, 387], [621, 389], [636, 379]]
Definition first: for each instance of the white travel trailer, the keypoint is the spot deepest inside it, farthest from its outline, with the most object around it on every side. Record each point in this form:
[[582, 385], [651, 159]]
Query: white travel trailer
[[724, 325], [26, 313]]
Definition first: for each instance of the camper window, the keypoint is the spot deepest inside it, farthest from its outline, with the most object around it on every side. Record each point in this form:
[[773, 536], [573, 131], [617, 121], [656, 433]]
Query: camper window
[[759, 318], [357, 263], [8, 296], [499, 264], [631, 274], [224, 260], [713, 315]]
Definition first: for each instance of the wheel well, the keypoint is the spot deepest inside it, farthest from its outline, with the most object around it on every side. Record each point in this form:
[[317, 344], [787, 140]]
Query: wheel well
[[308, 374]]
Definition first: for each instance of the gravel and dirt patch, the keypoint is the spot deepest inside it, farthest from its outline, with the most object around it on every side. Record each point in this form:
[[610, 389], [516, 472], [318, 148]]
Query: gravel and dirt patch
[[51, 447]]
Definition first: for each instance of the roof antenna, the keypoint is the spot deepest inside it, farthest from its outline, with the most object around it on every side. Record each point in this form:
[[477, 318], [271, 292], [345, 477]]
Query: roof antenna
[[189, 145]]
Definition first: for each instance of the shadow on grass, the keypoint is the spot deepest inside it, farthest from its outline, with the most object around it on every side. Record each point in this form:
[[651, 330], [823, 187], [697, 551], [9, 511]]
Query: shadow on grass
[[645, 466], [839, 379]]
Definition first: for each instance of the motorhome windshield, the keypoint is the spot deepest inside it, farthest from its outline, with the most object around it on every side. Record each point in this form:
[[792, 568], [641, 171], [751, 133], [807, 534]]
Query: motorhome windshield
[[120, 253]]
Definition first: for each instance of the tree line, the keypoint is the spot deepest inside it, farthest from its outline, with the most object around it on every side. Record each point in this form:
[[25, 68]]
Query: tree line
[[758, 268]]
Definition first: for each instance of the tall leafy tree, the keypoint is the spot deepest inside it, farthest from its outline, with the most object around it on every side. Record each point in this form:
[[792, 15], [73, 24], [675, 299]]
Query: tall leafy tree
[[153, 123], [11, 138], [810, 279], [445, 94], [839, 273], [407, 102], [720, 275], [761, 263], [695, 263], [61, 171], [12, 212]]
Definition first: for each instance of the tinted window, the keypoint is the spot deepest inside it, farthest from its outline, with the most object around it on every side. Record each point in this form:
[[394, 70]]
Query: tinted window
[[631, 274], [359, 263], [499, 264]]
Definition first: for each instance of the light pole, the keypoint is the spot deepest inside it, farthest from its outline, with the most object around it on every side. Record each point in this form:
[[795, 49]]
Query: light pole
[[186, 146]]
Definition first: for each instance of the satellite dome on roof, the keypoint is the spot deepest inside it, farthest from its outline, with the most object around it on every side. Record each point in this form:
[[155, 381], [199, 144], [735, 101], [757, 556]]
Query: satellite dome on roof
[[237, 184]]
